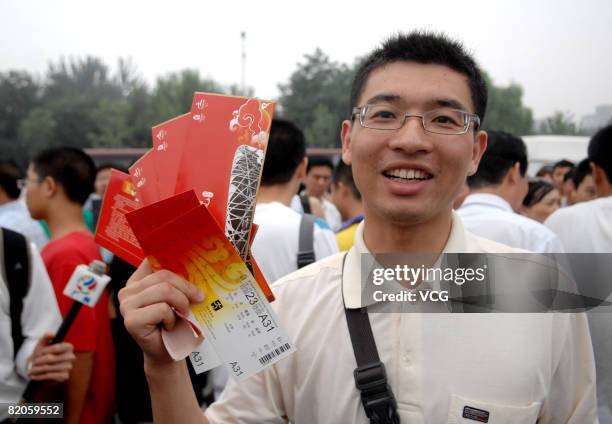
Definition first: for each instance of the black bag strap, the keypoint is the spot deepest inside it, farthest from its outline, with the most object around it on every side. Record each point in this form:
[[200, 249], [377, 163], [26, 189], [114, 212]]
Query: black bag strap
[[305, 203], [370, 375], [17, 273], [306, 254]]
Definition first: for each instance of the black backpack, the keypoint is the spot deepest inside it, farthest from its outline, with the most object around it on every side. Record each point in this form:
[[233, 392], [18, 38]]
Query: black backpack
[[16, 273]]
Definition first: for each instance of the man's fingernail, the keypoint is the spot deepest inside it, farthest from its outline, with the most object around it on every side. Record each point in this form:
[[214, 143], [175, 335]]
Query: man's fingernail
[[200, 295]]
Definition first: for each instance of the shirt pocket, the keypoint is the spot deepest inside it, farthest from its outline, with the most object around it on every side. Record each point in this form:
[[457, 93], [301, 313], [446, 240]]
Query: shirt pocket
[[470, 411]]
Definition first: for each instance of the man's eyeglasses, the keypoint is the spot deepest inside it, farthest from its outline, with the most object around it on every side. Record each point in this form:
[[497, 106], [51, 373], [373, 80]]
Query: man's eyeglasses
[[439, 121], [23, 182]]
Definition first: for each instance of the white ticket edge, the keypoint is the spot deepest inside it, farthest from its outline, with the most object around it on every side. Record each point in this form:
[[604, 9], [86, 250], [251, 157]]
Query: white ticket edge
[[240, 362]]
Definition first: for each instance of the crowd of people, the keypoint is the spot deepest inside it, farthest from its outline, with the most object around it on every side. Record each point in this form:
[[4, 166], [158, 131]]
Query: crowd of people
[[417, 174]]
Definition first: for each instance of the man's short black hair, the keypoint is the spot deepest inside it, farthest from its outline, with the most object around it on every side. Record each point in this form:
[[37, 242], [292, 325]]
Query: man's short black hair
[[314, 161], [503, 151], [426, 48], [538, 188], [344, 174], [286, 150], [71, 168], [600, 150], [10, 173], [563, 163], [580, 172]]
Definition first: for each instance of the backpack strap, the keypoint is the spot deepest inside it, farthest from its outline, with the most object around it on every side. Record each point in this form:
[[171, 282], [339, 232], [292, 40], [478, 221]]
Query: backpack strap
[[306, 254], [17, 273], [370, 375], [305, 203]]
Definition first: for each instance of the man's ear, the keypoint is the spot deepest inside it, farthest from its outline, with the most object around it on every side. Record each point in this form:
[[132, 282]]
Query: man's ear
[[514, 174], [300, 171], [478, 149], [49, 186], [346, 141], [602, 184]]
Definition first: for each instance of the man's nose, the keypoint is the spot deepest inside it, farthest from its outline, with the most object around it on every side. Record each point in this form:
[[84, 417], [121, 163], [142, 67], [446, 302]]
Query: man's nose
[[412, 137]]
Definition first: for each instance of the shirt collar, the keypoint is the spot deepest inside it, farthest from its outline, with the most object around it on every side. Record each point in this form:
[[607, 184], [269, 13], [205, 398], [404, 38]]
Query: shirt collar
[[14, 205], [487, 199], [351, 274], [354, 220]]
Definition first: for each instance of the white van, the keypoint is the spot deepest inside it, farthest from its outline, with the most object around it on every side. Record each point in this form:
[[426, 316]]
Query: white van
[[548, 149]]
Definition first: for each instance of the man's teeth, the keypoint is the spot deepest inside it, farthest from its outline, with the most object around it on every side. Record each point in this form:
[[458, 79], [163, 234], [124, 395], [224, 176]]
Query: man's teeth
[[408, 174]]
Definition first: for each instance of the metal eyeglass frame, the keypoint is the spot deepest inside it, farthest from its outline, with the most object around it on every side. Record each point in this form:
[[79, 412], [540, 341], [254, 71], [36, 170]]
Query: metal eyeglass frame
[[470, 117]]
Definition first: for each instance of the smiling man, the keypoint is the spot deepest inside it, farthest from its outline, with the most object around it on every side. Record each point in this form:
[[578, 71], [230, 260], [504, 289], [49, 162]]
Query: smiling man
[[412, 139]]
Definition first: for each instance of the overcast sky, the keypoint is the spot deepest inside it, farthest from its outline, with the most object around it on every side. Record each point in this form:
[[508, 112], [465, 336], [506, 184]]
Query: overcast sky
[[560, 51]]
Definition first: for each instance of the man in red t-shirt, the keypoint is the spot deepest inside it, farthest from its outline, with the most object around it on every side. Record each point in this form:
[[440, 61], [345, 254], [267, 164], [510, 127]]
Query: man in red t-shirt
[[59, 181]]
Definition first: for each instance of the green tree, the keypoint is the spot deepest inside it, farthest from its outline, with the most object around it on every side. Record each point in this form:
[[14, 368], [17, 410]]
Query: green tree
[[87, 77], [84, 105], [19, 94], [316, 98], [173, 93], [505, 110], [34, 130], [559, 123]]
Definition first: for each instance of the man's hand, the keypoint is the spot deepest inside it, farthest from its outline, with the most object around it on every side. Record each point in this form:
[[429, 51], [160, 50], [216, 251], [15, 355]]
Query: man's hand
[[51, 362], [147, 303]]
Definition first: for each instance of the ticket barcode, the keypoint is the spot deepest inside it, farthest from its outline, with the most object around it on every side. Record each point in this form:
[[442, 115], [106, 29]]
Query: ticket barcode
[[269, 356]]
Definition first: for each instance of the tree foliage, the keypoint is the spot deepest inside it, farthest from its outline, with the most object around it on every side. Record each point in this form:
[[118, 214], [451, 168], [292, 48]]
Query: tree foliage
[[82, 102], [505, 110], [559, 123], [316, 98], [19, 94]]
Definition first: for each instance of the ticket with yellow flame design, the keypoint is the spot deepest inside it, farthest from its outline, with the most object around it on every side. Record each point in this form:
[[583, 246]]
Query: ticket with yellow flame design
[[235, 316]]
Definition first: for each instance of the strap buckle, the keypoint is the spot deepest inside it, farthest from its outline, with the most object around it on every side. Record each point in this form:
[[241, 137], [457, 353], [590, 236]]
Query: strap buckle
[[305, 257], [376, 396]]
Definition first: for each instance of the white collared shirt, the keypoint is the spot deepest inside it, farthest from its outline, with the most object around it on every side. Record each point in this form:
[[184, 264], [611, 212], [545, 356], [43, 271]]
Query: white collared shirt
[[276, 243], [490, 216], [587, 228], [518, 367], [40, 315], [15, 216]]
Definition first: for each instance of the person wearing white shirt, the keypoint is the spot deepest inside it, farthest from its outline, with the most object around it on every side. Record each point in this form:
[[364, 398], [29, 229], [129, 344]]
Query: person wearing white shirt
[[586, 227], [412, 138], [40, 318], [318, 181], [276, 244], [14, 213], [497, 190]]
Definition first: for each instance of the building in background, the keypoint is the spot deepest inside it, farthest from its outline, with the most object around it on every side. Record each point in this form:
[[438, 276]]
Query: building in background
[[602, 117]]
